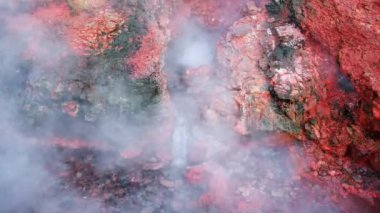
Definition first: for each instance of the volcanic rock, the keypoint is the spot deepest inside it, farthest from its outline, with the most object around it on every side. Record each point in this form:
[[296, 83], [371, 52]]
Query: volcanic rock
[[214, 13], [240, 55], [350, 30]]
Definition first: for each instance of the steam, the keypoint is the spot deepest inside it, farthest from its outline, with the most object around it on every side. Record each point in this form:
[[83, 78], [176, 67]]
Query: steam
[[195, 48], [196, 55], [180, 143], [27, 183], [202, 138], [229, 159]]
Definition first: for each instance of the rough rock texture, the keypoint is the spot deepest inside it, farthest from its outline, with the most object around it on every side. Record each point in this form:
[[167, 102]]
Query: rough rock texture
[[79, 5], [351, 31], [272, 97], [290, 83], [148, 59], [110, 63], [252, 94], [214, 13]]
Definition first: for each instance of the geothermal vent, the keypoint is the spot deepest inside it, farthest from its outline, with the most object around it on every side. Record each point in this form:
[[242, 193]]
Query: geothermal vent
[[232, 106]]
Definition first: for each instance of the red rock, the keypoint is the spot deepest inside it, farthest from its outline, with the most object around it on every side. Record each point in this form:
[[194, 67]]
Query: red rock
[[251, 7], [147, 59], [131, 153], [93, 33], [79, 5], [214, 13], [73, 143], [351, 31], [214, 176], [207, 200], [244, 77], [197, 79], [375, 161], [376, 109], [195, 175], [53, 14], [71, 108]]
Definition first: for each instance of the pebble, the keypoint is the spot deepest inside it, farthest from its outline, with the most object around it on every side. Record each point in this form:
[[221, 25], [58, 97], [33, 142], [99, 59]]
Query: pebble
[[339, 162], [241, 30], [322, 173], [362, 171], [348, 169], [332, 173], [167, 183], [357, 178], [154, 166], [78, 174]]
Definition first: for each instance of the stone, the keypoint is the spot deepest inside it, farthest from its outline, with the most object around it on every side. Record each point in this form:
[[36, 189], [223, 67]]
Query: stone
[[71, 108], [350, 30], [250, 8]]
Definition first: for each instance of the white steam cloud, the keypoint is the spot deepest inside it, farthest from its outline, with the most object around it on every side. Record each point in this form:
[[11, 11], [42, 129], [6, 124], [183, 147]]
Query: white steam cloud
[[196, 48], [27, 183], [202, 137]]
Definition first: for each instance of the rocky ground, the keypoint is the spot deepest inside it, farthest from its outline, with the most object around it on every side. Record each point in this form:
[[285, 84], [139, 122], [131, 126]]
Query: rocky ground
[[283, 117]]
